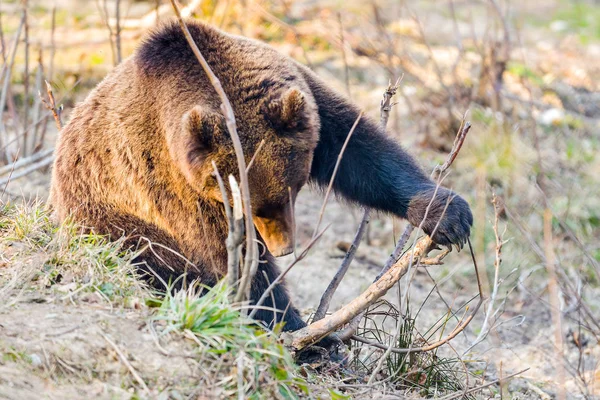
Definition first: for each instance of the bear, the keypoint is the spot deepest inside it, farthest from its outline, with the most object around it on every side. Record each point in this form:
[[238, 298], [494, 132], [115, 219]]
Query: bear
[[135, 159]]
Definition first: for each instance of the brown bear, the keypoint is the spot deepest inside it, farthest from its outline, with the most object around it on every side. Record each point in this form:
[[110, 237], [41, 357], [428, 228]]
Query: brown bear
[[136, 158]]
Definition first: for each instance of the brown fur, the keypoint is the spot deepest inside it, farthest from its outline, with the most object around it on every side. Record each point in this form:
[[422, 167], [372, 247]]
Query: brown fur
[[136, 157]]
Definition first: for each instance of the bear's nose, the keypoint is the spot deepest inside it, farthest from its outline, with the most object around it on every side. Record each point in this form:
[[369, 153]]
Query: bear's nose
[[284, 251], [277, 233]]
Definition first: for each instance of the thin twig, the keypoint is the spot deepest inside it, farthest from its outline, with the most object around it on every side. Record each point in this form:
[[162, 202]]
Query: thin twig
[[37, 105], [5, 86], [235, 237], [394, 257], [132, 370], [25, 78], [475, 389], [333, 175], [497, 262], [283, 273], [251, 258], [118, 30], [40, 143], [553, 292], [386, 106], [344, 58], [51, 105], [339, 275], [260, 146]]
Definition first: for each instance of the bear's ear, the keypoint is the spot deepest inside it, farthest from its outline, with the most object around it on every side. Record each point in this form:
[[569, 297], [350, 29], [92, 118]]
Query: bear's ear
[[201, 128], [288, 113]]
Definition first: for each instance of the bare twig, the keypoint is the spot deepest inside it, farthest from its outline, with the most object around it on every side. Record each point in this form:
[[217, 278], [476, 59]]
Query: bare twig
[[386, 106], [5, 86], [260, 146], [40, 143], [103, 9], [459, 328], [25, 77], [497, 262], [125, 361], [51, 105], [554, 302], [118, 30], [333, 175], [339, 275], [435, 174], [319, 329], [251, 258], [478, 388], [283, 273], [344, 58], [386, 102], [235, 237], [24, 162], [37, 104]]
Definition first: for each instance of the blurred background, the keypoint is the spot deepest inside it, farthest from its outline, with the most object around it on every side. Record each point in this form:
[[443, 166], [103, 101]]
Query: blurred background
[[526, 74]]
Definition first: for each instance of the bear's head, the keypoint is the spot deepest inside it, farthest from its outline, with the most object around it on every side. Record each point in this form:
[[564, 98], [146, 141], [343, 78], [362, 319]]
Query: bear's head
[[288, 124]]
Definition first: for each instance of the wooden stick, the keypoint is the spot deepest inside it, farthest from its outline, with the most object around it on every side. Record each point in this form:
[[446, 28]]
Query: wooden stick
[[339, 275], [7, 70], [251, 261], [352, 312], [26, 171], [132, 370], [335, 169], [235, 237], [318, 330], [51, 105], [23, 162], [25, 79], [385, 108]]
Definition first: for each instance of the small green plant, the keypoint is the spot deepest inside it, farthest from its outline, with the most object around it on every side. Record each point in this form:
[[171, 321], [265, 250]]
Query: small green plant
[[264, 368]]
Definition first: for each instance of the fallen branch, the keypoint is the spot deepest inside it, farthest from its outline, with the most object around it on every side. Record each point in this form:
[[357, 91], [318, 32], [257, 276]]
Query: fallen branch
[[318, 330], [26, 171], [132, 370], [23, 162], [354, 311]]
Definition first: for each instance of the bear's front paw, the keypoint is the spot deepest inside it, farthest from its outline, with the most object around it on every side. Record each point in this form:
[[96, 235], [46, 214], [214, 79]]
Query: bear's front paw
[[446, 226]]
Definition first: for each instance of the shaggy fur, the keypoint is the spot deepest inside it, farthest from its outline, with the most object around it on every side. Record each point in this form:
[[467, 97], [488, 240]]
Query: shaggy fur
[[135, 159]]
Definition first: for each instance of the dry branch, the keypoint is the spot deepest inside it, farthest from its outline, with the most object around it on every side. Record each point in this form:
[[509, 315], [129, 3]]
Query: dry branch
[[318, 330], [51, 105], [24, 162], [26, 171], [337, 279], [353, 311], [333, 175], [6, 74], [485, 329], [251, 259], [386, 107], [235, 237]]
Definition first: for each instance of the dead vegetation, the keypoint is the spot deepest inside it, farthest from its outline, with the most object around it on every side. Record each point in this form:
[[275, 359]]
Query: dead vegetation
[[529, 166]]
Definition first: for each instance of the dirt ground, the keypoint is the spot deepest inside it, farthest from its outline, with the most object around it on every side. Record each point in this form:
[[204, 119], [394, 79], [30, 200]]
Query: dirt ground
[[53, 347]]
